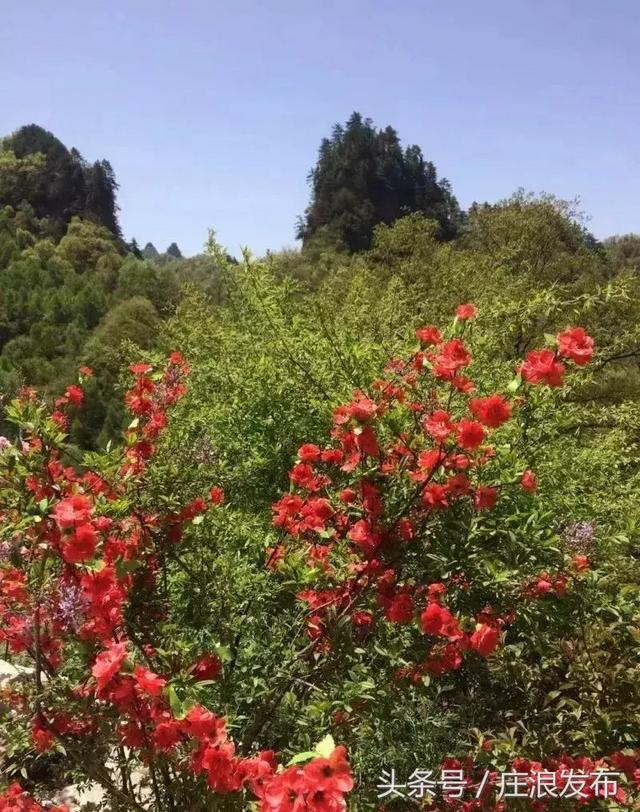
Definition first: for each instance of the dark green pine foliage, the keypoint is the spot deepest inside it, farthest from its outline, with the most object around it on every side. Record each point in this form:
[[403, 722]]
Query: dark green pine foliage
[[363, 177], [174, 251], [134, 248], [150, 251], [100, 200], [64, 186]]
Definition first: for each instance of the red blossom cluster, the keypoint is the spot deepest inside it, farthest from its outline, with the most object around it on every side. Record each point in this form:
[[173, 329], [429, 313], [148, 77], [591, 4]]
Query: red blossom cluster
[[357, 506], [15, 799], [579, 780], [319, 786], [417, 446], [543, 366], [83, 559]]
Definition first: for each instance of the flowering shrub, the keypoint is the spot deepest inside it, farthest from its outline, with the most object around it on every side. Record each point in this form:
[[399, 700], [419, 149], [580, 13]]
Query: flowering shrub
[[372, 515], [392, 540], [82, 564]]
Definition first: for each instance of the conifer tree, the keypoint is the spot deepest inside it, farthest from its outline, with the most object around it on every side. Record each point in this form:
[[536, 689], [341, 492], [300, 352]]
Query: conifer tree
[[363, 177]]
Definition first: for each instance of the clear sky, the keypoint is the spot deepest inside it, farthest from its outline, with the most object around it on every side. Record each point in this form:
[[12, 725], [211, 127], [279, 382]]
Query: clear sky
[[211, 112]]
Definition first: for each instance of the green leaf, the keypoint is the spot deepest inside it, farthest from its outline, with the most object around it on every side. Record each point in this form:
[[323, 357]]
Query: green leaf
[[300, 757], [515, 384], [326, 746], [224, 652]]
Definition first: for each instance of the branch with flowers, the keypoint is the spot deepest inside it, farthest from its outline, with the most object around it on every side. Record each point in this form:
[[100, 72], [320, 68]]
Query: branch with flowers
[[381, 533]]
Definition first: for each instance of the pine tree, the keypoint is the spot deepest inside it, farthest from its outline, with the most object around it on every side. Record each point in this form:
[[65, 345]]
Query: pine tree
[[363, 178], [101, 195], [62, 185], [150, 251]]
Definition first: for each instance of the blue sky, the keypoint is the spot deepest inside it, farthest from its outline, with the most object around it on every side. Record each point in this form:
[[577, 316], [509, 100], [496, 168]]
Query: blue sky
[[211, 112]]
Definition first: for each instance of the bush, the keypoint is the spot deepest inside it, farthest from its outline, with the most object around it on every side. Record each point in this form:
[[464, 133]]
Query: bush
[[424, 594]]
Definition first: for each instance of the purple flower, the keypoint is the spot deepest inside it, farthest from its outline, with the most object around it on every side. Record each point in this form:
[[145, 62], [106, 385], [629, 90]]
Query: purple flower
[[71, 606], [579, 536]]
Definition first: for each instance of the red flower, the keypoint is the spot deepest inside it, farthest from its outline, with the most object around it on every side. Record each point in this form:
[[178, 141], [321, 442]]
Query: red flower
[[331, 456], [216, 495], [302, 475], [470, 434], [348, 495], [366, 440], [332, 774], [430, 460], [201, 724], [485, 497], [405, 529], [466, 311], [439, 425], [529, 481], [492, 411], [148, 682], [452, 357], [71, 511], [541, 366], [362, 619], [132, 735], [81, 546], [75, 395], [434, 618], [400, 609], [166, 734], [140, 368], [108, 664], [429, 335], [485, 639], [362, 408], [458, 485], [542, 586], [309, 453], [463, 384], [580, 563], [364, 536], [206, 667], [575, 344], [436, 591], [43, 739], [435, 496]]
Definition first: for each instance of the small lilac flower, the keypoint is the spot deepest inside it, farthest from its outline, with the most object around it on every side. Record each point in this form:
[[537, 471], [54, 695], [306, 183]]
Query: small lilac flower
[[579, 536], [71, 606]]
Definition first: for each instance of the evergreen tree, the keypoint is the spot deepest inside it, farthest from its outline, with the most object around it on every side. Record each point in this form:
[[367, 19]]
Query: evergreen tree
[[150, 252], [363, 177], [101, 192], [174, 251], [60, 184], [134, 248]]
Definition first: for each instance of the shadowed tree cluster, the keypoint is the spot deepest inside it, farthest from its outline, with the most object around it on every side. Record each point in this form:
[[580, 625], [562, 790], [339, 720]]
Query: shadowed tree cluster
[[364, 177], [61, 184]]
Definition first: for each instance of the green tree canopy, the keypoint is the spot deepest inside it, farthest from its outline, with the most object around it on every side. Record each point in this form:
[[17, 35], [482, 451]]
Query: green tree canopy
[[364, 177], [57, 182]]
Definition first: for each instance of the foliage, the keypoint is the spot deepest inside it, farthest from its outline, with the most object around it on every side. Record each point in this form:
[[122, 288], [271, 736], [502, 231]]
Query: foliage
[[363, 177], [55, 181], [527, 658], [424, 573]]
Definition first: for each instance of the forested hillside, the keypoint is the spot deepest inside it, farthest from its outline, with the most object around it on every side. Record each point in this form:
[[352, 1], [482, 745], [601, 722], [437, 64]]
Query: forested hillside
[[385, 487], [72, 292]]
